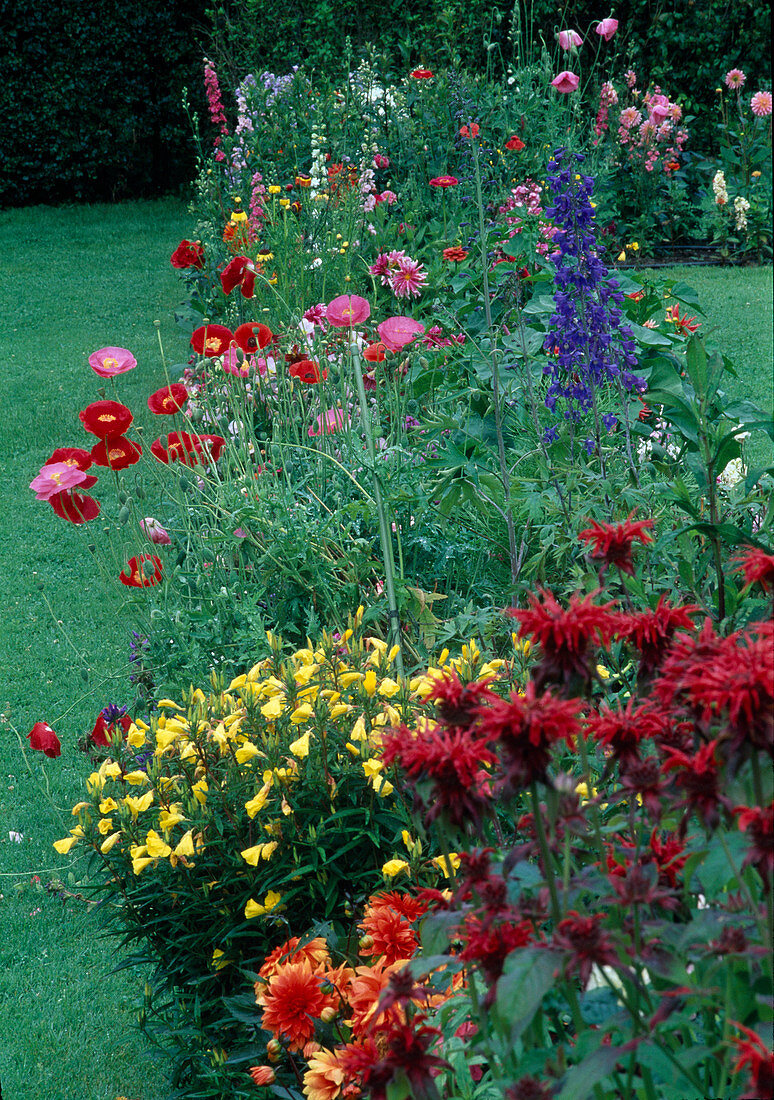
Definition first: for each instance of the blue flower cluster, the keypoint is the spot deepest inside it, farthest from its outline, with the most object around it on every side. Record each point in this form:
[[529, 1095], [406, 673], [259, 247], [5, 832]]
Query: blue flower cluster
[[588, 345]]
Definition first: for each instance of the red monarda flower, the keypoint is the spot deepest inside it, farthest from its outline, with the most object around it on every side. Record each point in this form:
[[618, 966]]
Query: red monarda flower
[[612, 542], [622, 729], [141, 571], [168, 400], [307, 371], [178, 447], [251, 336], [758, 823], [457, 703], [758, 1058], [757, 566], [652, 632], [211, 340], [565, 635], [104, 418], [443, 182], [43, 739], [188, 254], [240, 272], [116, 453], [586, 943], [514, 144], [699, 778], [455, 255], [489, 943], [74, 507]]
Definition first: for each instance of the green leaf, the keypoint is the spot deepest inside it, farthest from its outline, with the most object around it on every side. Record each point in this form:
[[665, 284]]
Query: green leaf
[[687, 295], [580, 1080], [649, 337], [527, 976], [696, 364]]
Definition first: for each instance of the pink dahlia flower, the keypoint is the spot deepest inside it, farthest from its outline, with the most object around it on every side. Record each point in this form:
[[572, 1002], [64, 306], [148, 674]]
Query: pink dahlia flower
[[409, 278], [734, 79], [108, 362], [761, 104], [566, 82]]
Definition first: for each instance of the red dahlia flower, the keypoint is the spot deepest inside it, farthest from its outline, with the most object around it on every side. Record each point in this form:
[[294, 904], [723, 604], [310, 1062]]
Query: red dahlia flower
[[74, 507], [116, 452], [240, 272], [422, 74], [251, 336], [291, 1001], [104, 418], [455, 255], [141, 571], [188, 254], [168, 400], [612, 543], [211, 340], [43, 739]]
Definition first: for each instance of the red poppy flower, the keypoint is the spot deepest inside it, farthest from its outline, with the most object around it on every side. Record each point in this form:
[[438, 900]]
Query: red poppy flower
[[117, 452], [77, 457], [307, 371], [455, 255], [188, 254], [240, 272], [213, 445], [103, 731], [168, 400], [211, 340], [74, 507], [374, 353], [515, 144], [141, 571], [252, 336], [179, 447], [43, 739], [469, 132], [422, 74], [104, 418], [444, 181], [613, 542]]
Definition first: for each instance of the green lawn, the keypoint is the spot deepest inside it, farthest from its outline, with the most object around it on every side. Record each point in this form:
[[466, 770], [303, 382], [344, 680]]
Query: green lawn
[[71, 281]]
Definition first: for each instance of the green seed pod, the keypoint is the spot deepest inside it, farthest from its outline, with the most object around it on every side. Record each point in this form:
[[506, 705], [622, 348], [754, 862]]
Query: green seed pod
[[124, 514], [122, 497], [423, 362], [85, 675], [148, 568], [139, 492], [184, 482]]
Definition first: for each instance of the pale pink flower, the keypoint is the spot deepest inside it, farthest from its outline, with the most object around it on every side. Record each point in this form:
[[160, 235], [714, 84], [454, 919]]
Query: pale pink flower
[[760, 104], [232, 364], [315, 315], [396, 332], [387, 196], [409, 279], [569, 40], [735, 79], [56, 477], [347, 310], [153, 530], [566, 82], [332, 421], [630, 77], [606, 28], [658, 108], [107, 362]]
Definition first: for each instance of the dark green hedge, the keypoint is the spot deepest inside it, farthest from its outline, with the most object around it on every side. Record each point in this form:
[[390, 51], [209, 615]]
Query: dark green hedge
[[90, 98]]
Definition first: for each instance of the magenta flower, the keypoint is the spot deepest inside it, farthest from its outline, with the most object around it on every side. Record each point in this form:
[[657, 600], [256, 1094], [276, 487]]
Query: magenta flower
[[347, 310], [396, 332], [761, 104], [734, 79], [153, 530], [108, 362], [332, 421], [606, 28], [566, 82], [55, 478], [569, 40], [409, 278]]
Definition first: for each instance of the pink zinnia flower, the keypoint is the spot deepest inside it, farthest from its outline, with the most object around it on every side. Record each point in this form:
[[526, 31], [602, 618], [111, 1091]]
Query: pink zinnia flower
[[347, 310], [735, 79], [55, 478], [409, 279], [396, 332], [606, 28], [332, 421], [761, 104], [108, 362], [444, 181], [569, 40], [566, 82], [153, 530]]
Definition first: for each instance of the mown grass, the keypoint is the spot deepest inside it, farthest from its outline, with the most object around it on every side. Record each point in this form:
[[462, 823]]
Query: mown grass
[[71, 281]]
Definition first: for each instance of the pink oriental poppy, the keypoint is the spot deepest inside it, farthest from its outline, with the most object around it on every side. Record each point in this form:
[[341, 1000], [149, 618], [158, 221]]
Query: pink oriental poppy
[[333, 421], [347, 310], [104, 418], [55, 478], [77, 457], [569, 40], [566, 82], [108, 362], [396, 332], [211, 340], [117, 452], [168, 400], [141, 571], [153, 530], [606, 28]]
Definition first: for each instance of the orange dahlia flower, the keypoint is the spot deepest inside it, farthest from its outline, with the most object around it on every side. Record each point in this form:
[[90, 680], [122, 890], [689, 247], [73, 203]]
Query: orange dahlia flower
[[292, 1001]]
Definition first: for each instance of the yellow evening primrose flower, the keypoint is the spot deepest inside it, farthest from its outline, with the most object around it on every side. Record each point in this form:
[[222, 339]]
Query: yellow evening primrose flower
[[199, 791], [369, 683], [104, 825], [274, 708], [372, 767], [169, 704], [258, 852], [382, 786], [347, 678], [340, 708], [64, 846], [256, 804], [84, 806], [155, 846], [358, 731], [603, 673], [302, 714], [165, 738], [110, 770], [169, 818], [394, 867], [139, 863], [109, 842], [138, 805], [135, 736], [393, 654], [256, 909], [185, 846], [300, 748], [136, 779], [388, 688], [353, 750], [219, 960], [107, 805], [440, 863], [247, 752]]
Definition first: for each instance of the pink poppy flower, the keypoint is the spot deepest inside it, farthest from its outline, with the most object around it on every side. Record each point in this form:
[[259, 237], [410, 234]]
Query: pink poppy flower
[[735, 79], [606, 28], [381, 161], [347, 310], [153, 530], [566, 82], [396, 332], [232, 364], [760, 104], [55, 478], [332, 421], [108, 362], [569, 40]]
